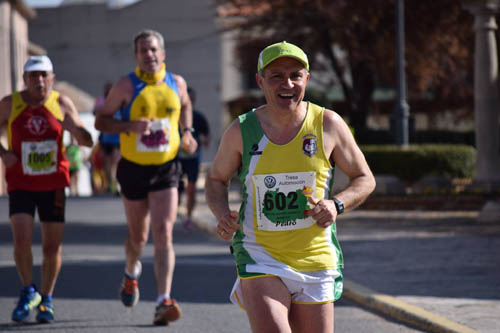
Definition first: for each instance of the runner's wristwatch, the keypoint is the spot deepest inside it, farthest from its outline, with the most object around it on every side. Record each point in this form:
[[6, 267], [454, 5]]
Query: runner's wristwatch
[[188, 129], [339, 205]]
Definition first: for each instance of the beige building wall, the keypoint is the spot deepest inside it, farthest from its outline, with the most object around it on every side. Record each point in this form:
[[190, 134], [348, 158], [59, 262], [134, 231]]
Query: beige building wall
[[94, 44], [13, 53]]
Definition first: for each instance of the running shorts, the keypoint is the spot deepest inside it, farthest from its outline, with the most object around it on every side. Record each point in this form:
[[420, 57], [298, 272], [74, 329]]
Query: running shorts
[[50, 204], [302, 292], [136, 180]]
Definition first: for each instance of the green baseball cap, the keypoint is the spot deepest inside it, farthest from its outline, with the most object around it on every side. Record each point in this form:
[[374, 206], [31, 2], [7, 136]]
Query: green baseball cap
[[278, 50]]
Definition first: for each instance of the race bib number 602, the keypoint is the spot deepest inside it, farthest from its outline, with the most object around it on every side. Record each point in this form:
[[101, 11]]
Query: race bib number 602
[[282, 200]]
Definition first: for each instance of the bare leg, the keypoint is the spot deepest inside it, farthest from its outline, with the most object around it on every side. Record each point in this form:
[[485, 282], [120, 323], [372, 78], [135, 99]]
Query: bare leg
[[115, 158], [52, 236], [22, 231], [138, 230], [267, 301], [191, 198], [306, 318], [163, 207]]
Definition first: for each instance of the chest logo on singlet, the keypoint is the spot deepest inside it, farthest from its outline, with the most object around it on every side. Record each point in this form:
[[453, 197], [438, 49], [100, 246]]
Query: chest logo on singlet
[[37, 125], [309, 144]]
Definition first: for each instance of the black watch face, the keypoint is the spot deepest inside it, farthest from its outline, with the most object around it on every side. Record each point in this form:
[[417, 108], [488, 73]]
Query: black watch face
[[339, 205]]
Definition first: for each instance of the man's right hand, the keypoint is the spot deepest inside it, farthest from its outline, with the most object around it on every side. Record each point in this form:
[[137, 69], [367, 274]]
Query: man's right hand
[[141, 126], [228, 224]]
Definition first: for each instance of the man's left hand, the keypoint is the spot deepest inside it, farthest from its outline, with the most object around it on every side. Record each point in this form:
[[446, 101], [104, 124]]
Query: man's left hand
[[189, 144], [324, 212]]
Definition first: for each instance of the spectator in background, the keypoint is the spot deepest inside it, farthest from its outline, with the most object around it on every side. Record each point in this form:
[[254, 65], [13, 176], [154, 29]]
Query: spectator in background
[[74, 156], [191, 162], [98, 175], [110, 148]]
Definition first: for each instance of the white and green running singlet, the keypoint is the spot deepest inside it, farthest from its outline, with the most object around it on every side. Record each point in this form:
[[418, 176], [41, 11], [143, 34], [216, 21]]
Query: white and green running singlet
[[276, 237]]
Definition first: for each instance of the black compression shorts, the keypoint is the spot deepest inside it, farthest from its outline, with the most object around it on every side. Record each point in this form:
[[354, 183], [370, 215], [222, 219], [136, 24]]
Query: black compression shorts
[[49, 204], [137, 180]]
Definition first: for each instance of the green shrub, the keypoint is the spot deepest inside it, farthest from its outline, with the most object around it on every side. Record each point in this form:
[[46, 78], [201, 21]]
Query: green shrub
[[411, 163]]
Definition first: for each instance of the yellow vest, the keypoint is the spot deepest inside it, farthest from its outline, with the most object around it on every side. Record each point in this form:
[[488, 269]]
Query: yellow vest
[[161, 104]]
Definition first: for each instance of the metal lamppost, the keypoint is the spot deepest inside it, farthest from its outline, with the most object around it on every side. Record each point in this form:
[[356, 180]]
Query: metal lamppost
[[402, 109]]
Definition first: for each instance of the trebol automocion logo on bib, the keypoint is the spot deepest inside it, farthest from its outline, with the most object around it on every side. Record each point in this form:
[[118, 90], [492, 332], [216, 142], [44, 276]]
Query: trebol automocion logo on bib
[[270, 181]]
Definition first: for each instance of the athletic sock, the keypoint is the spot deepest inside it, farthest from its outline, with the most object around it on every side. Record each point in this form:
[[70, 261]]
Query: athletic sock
[[161, 298], [29, 289], [133, 275], [47, 298]]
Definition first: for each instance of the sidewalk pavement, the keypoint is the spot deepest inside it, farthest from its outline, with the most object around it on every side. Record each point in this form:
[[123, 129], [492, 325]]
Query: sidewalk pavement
[[435, 271]]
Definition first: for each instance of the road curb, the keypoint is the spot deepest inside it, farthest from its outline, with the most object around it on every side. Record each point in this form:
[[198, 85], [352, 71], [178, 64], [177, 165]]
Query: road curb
[[401, 311]]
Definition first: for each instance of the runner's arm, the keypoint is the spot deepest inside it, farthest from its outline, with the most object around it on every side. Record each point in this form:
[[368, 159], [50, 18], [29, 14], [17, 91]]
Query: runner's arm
[[119, 96], [8, 157], [226, 163], [186, 118], [73, 123], [346, 155]]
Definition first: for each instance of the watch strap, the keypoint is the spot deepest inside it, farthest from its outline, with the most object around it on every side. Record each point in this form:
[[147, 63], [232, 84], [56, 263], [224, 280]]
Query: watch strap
[[339, 205]]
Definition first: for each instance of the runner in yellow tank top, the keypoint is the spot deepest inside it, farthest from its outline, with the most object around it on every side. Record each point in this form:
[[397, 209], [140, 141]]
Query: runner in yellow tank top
[[284, 237], [153, 104]]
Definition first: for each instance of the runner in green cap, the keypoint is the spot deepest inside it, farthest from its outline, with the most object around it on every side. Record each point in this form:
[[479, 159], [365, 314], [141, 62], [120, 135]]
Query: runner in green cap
[[284, 239]]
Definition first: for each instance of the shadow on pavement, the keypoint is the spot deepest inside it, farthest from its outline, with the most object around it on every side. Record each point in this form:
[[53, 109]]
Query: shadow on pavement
[[104, 234], [91, 280]]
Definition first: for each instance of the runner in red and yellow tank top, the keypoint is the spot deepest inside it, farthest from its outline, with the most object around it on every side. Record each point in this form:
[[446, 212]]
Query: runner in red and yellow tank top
[[35, 135], [37, 173]]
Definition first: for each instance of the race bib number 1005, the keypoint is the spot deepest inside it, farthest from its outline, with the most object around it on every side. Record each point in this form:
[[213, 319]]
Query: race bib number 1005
[[282, 200], [39, 158]]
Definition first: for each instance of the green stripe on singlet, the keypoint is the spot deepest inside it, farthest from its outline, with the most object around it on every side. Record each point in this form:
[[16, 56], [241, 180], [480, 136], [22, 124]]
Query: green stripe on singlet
[[251, 134]]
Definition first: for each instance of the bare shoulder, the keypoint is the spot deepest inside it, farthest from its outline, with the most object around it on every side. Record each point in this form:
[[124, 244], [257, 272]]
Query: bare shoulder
[[228, 157], [5, 106], [179, 80], [333, 122], [6, 101], [67, 105], [119, 96], [182, 88], [231, 140], [233, 132], [123, 85], [65, 102], [336, 132]]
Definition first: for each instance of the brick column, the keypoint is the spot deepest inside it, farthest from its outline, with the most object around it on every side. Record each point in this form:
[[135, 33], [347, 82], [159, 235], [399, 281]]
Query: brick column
[[486, 103]]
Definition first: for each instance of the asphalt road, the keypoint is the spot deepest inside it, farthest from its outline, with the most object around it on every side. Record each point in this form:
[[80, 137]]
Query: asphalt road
[[86, 295]]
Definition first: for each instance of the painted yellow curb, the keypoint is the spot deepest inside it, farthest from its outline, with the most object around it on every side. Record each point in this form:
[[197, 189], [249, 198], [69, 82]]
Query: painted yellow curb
[[399, 310]]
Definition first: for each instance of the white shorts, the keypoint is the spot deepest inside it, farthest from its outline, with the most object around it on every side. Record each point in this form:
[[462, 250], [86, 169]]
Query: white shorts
[[301, 292]]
